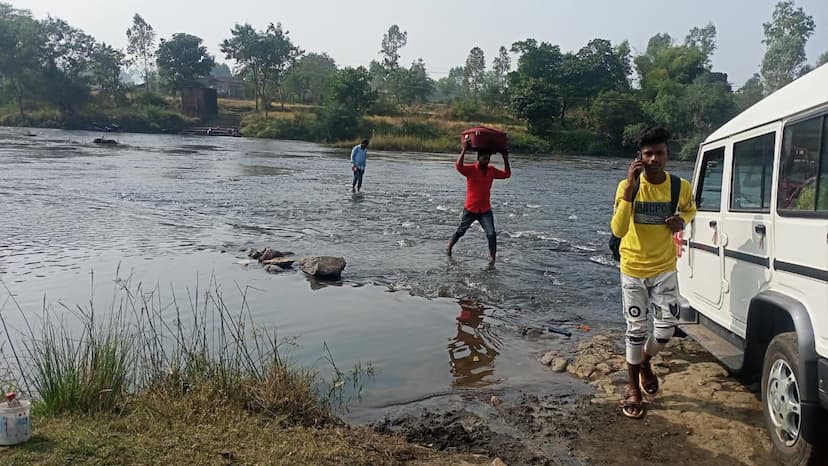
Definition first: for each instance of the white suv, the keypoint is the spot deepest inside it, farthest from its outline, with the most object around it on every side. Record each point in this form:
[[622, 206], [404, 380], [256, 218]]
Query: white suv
[[754, 272]]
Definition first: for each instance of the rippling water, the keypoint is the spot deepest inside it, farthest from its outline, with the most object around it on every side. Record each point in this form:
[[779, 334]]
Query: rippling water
[[174, 211]]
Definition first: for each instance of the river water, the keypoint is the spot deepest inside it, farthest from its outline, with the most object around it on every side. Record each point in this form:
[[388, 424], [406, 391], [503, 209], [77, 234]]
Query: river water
[[177, 212]]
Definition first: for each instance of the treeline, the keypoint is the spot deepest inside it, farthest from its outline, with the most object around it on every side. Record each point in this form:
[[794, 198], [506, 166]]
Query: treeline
[[592, 100]]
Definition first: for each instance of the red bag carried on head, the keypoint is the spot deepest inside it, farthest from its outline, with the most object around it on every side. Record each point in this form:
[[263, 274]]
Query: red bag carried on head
[[483, 138]]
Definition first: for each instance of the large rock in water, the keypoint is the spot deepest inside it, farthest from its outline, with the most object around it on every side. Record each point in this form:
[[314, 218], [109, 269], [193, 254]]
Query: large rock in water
[[327, 267]]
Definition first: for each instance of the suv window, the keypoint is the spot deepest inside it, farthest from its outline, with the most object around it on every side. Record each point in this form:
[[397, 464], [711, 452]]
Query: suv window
[[803, 179], [752, 169], [709, 191]]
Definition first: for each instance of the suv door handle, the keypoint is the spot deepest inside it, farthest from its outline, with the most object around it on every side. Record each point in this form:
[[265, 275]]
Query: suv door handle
[[713, 223], [760, 229]]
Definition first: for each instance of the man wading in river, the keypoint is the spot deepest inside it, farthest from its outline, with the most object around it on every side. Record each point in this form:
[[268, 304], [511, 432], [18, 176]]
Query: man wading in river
[[479, 178], [645, 220], [359, 155]]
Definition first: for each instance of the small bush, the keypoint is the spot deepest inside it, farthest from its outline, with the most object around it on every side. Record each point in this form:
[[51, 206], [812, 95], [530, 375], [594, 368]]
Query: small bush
[[150, 99]]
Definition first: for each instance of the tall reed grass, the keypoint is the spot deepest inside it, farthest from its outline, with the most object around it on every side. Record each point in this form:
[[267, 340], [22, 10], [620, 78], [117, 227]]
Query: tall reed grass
[[201, 353]]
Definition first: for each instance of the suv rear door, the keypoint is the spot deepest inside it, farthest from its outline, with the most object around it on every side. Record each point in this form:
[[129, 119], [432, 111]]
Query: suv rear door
[[746, 229], [801, 246]]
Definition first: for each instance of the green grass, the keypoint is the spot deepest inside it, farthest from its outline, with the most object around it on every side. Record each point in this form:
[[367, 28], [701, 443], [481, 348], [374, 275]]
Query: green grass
[[81, 360], [152, 382]]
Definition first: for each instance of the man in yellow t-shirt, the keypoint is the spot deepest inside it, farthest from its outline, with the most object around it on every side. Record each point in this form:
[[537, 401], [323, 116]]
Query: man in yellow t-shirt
[[645, 223]]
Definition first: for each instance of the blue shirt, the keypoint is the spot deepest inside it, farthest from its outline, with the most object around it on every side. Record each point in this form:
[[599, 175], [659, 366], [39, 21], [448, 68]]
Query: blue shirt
[[358, 156]]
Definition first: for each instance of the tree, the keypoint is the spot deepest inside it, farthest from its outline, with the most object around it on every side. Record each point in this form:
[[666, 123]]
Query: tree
[[263, 56], [536, 101], [411, 86], [703, 40], [183, 61], [221, 70], [474, 72], [21, 46], [66, 54], [785, 38], [750, 92], [600, 69], [612, 111], [106, 71], [494, 93], [535, 87], [823, 59], [450, 88], [352, 88], [623, 54], [502, 65], [309, 79], [350, 97], [242, 48], [141, 45], [392, 42]]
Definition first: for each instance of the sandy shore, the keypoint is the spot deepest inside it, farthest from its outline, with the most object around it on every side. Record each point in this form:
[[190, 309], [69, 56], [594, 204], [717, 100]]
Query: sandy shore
[[701, 415]]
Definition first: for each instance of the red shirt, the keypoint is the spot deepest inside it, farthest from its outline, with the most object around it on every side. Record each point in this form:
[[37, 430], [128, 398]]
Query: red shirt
[[479, 185]]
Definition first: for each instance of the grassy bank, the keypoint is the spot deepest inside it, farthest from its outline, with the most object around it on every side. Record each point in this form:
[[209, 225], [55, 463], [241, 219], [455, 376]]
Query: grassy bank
[[151, 382], [136, 118], [415, 133]]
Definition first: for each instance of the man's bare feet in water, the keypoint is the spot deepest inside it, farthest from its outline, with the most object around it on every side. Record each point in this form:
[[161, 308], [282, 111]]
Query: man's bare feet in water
[[449, 248], [492, 257]]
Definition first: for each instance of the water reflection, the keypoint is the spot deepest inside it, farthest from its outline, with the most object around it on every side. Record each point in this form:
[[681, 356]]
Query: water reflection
[[473, 349]]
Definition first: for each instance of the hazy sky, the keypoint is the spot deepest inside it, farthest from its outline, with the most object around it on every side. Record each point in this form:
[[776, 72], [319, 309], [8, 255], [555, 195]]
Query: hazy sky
[[443, 31]]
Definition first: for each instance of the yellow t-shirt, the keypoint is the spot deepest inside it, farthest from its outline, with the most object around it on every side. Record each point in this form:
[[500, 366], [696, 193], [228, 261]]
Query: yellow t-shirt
[[647, 249]]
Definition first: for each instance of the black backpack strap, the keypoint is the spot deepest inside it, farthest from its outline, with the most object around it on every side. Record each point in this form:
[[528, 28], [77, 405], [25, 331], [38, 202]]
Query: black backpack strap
[[675, 192], [635, 190]]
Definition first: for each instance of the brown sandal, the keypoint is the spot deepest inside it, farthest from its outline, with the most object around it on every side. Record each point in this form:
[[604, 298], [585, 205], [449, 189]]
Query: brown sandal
[[647, 380], [631, 404]]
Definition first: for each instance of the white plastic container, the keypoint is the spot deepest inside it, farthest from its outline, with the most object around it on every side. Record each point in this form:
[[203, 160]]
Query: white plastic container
[[15, 423]]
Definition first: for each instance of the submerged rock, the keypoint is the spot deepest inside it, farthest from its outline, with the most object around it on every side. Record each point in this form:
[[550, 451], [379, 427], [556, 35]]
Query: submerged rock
[[283, 262], [274, 269], [327, 267], [269, 254], [254, 253]]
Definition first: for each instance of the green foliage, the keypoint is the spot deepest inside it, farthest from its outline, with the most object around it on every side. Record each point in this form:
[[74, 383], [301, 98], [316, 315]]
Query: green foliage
[[751, 92], [300, 126], [474, 72], [262, 56], [392, 42], [537, 101], [610, 113], [141, 45], [87, 373], [150, 99], [183, 61], [309, 80], [703, 40], [785, 37], [221, 70], [351, 87], [106, 73], [339, 122]]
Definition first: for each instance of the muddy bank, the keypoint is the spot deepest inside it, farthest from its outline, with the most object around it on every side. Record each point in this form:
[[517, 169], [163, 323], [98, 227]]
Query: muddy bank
[[700, 416]]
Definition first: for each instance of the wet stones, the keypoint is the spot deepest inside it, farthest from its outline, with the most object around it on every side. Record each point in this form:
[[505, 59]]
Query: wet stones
[[325, 267], [559, 365], [321, 267], [556, 363]]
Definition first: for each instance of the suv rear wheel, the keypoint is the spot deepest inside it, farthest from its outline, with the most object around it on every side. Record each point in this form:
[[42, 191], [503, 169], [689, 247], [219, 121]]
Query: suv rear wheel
[[781, 402]]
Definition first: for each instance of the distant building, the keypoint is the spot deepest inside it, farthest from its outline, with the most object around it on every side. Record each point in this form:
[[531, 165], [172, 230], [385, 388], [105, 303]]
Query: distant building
[[229, 88], [199, 102]]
